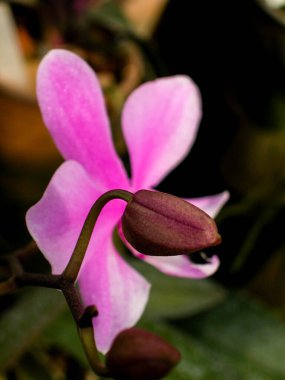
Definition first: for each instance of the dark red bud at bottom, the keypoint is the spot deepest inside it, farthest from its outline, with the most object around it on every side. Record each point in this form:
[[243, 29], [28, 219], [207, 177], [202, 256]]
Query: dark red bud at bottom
[[161, 224], [137, 354]]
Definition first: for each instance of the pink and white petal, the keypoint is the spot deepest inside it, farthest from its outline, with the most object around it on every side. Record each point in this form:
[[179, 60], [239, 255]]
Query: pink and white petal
[[73, 110], [211, 204], [117, 290], [160, 121], [56, 220], [182, 266], [178, 266]]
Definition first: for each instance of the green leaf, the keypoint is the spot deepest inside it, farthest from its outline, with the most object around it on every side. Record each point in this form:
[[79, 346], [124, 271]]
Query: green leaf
[[245, 329], [238, 340], [63, 334], [23, 323], [172, 297]]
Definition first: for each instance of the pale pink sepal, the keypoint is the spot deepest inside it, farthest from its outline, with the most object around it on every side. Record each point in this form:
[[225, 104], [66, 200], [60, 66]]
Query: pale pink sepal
[[73, 110], [160, 121], [211, 204], [182, 266], [118, 291], [178, 266]]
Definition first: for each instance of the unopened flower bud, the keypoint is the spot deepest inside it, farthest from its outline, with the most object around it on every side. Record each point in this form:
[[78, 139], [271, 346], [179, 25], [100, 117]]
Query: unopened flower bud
[[137, 354], [161, 224]]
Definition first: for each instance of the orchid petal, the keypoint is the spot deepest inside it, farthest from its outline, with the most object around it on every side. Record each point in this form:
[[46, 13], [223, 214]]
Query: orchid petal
[[178, 266], [160, 121], [118, 291], [73, 110], [56, 220], [182, 266], [211, 204]]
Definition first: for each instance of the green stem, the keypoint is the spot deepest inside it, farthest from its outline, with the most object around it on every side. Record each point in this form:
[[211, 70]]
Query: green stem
[[39, 279], [72, 269], [88, 341], [73, 300], [83, 320]]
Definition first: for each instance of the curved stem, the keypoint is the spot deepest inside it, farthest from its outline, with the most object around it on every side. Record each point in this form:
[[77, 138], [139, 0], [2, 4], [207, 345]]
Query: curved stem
[[72, 269], [88, 341], [83, 319]]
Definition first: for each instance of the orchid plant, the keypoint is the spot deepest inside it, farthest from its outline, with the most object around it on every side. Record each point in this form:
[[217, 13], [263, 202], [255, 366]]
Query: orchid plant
[[159, 121]]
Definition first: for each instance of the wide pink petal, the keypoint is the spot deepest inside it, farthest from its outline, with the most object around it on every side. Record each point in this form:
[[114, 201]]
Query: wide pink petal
[[160, 121], [107, 281], [211, 204], [56, 220], [73, 110]]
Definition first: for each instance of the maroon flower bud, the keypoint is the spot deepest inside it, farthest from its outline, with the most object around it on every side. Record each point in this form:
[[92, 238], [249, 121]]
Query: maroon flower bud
[[137, 354], [161, 224]]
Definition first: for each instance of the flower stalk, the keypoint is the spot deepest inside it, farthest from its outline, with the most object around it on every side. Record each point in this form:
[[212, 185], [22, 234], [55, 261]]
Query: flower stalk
[[66, 281], [72, 269]]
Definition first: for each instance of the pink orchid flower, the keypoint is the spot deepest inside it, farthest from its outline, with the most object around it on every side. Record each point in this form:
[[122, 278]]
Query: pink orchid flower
[[159, 122]]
